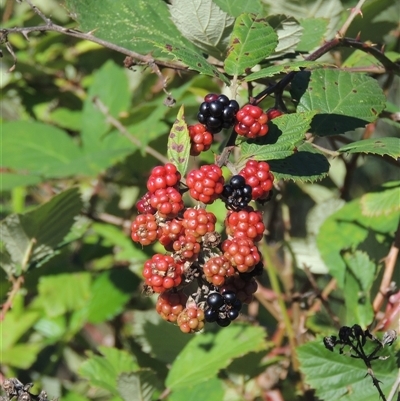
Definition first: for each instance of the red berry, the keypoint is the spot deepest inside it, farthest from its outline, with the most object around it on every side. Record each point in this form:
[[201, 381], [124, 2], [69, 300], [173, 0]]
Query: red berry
[[251, 121], [144, 229], [273, 113], [198, 222], [191, 319], [169, 232], [200, 139], [186, 248], [258, 176], [168, 202], [216, 269], [205, 184], [246, 223], [161, 273], [143, 204], [242, 253], [162, 177], [170, 304]]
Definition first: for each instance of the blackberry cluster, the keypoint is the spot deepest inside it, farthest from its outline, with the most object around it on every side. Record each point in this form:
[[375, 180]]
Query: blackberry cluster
[[222, 308], [237, 194], [217, 112]]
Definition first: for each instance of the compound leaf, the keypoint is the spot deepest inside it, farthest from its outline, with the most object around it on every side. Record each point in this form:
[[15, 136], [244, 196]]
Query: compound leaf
[[252, 40], [179, 143], [379, 146]]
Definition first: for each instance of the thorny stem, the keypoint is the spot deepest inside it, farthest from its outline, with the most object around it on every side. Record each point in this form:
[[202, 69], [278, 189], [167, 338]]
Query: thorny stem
[[114, 122], [8, 304], [354, 12]]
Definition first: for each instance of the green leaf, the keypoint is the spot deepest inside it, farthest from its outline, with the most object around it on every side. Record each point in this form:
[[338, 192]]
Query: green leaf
[[344, 101], [21, 356], [237, 7], [383, 202], [35, 147], [289, 33], [64, 292], [117, 286], [285, 133], [379, 146], [252, 40], [179, 143], [314, 30], [358, 279], [10, 180], [203, 23], [36, 234], [306, 165], [66, 118], [336, 376], [137, 386], [212, 389], [211, 354], [193, 60], [103, 371], [285, 68], [130, 25]]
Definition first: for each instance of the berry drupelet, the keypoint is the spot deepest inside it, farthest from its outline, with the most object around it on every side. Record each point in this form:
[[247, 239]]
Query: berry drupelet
[[237, 194]]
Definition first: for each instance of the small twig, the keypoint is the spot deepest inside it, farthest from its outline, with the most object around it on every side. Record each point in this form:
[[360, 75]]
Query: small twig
[[390, 262], [39, 13], [354, 12], [329, 152], [8, 304], [115, 123]]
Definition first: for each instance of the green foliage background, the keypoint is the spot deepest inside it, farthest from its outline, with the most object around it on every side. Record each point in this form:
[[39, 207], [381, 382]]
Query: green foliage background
[[80, 326]]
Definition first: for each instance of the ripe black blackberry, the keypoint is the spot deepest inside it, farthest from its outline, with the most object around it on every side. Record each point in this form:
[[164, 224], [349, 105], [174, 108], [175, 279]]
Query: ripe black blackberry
[[222, 308], [237, 194], [217, 112]]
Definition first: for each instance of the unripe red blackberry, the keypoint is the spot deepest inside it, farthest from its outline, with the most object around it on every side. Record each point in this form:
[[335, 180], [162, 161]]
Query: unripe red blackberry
[[162, 177], [144, 229], [167, 201], [198, 222], [246, 223], [170, 304], [161, 273], [251, 122], [143, 204], [242, 253], [216, 269], [274, 113], [169, 232], [191, 319], [186, 248], [200, 139], [205, 184], [258, 176]]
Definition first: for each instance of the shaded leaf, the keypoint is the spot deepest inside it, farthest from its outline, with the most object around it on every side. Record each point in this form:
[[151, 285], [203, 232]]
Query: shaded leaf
[[285, 68], [306, 164], [203, 23], [334, 93], [137, 386], [379, 146], [335, 376], [285, 133], [289, 32], [211, 354], [384, 202], [252, 40], [179, 143], [36, 234]]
